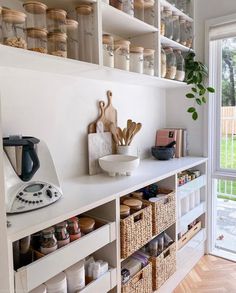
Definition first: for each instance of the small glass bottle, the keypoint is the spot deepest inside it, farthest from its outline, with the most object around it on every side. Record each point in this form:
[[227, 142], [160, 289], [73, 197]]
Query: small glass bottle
[[139, 9], [13, 24], [170, 63], [163, 63], [72, 39], [37, 40], [162, 31], [56, 20], [62, 235], [136, 59], [108, 50], [57, 44], [189, 34], [148, 61], [36, 14], [183, 32], [128, 7], [180, 73], [149, 12], [86, 32], [48, 241], [168, 23], [176, 27], [73, 229], [122, 54]]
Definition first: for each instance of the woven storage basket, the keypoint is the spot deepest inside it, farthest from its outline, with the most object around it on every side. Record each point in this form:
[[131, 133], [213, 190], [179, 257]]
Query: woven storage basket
[[136, 230], [163, 214], [139, 283], [163, 266]]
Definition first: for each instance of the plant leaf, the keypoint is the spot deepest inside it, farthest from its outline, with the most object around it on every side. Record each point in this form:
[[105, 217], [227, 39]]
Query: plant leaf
[[211, 89], [200, 86], [195, 115], [191, 110], [190, 96], [199, 101], [194, 89], [202, 92], [204, 100]]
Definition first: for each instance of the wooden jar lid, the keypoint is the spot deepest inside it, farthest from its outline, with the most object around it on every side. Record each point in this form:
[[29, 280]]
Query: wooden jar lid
[[0, 10], [35, 7], [36, 33], [86, 223], [57, 37], [122, 44], [84, 9], [133, 203], [124, 209], [13, 16], [148, 52], [107, 39], [139, 4], [71, 24], [148, 3], [56, 14], [136, 49], [182, 19]]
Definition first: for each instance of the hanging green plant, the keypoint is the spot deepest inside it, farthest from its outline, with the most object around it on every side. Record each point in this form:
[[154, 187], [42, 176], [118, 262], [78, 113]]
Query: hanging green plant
[[196, 75]]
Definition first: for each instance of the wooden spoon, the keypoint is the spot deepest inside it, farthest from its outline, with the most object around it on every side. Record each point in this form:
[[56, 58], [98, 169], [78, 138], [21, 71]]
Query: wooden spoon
[[129, 122], [130, 132], [137, 129], [120, 135]]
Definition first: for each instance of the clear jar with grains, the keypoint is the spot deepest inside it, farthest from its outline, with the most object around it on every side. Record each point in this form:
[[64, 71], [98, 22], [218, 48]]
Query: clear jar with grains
[[139, 9], [148, 61], [180, 63], [0, 25], [37, 40], [72, 39], [73, 228], [136, 59], [176, 27], [108, 50], [163, 63], [183, 31], [167, 14], [86, 32], [48, 241], [122, 54], [170, 63], [149, 12], [128, 7], [182, 5], [56, 20], [118, 4], [36, 14], [189, 34], [13, 27], [62, 235], [57, 44], [162, 31]]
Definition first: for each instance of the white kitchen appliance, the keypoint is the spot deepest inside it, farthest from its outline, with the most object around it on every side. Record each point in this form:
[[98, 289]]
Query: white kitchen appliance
[[31, 180]]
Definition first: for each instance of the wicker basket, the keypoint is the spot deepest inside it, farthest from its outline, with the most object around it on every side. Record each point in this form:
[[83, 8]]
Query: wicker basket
[[163, 266], [140, 283], [136, 230], [163, 214]]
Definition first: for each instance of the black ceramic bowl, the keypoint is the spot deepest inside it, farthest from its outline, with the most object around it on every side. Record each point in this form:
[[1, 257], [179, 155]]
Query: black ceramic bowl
[[163, 153]]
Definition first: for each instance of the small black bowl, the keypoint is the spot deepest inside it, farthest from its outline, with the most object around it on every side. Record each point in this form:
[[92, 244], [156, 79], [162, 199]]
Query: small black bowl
[[163, 153]]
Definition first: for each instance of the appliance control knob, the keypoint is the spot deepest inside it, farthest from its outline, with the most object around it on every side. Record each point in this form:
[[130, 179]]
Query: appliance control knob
[[49, 193], [41, 200], [30, 201], [35, 194], [21, 193], [49, 186], [37, 201]]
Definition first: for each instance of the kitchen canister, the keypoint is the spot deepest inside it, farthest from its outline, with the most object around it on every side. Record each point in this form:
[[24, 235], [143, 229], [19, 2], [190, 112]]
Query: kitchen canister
[[148, 61], [36, 14], [124, 211], [73, 228], [62, 235], [72, 39], [128, 7], [139, 9], [37, 40], [75, 276], [180, 66], [41, 289], [86, 224], [171, 66], [108, 50], [56, 20], [48, 241], [57, 44], [149, 12], [122, 54], [136, 59], [57, 284]]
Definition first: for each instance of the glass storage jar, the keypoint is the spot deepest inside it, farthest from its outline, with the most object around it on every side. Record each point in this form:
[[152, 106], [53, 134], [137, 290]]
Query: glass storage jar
[[57, 44], [136, 59], [36, 14], [48, 241], [73, 228], [0, 25], [13, 24], [56, 20], [183, 32], [170, 63], [118, 4], [86, 32], [182, 5], [162, 31], [108, 50], [168, 23], [128, 7], [72, 39], [189, 34], [149, 12], [148, 61], [139, 9], [37, 40], [176, 27], [180, 63], [121, 54], [163, 63], [62, 235]]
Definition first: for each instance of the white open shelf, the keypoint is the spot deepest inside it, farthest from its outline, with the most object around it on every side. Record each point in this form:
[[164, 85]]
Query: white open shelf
[[117, 22], [191, 186], [175, 9], [170, 43]]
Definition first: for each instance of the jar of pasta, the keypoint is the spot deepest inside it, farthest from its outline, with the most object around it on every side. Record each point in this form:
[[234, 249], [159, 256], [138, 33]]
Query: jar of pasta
[[170, 63], [57, 44], [108, 50], [56, 20], [37, 40], [122, 54]]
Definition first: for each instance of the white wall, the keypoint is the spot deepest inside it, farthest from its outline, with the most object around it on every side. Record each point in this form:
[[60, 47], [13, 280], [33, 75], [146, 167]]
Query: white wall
[[59, 108]]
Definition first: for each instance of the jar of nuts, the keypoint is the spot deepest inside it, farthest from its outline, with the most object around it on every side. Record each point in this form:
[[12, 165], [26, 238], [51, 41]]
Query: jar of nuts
[[13, 23], [36, 14], [37, 40], [57, 44], [48, 241], [56, 20]]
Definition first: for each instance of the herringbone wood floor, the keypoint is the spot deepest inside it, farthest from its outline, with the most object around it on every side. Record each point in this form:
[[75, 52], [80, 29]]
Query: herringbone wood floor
[[210, 275]]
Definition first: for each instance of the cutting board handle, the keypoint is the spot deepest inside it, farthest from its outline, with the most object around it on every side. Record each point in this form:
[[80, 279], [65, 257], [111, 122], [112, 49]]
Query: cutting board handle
[[109, 97]]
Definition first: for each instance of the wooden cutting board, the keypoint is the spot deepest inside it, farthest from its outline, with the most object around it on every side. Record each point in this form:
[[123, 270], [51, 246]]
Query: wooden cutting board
[[110, 111], [99, 145], [106, 123]]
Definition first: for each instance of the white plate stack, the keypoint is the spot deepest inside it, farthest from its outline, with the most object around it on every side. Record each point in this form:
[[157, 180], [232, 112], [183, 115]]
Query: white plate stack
[[40, 289], [75, 277], [57, 284]]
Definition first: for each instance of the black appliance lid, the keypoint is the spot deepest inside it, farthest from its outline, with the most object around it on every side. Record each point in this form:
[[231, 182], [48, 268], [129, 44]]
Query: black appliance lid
[[20, 141]]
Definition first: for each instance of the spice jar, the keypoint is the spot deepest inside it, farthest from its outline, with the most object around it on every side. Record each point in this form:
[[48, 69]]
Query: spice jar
[[36, 14], [176, 27], [86, 225], [108, 50], [57, 44], [72, 39], [136, 59], [149, 12], [37, 40], [170, 63], [189, 34], [13, 23], [62, 235], [148, 61], [56, 20], [134, 204], [167, 14], [183, 35], [117, 4], [122, 58], [73, 228], [163, 63], [180, 73], [128, 7], [163, 27], [124, 211], [86, 32], [139, 9], [48, 241]]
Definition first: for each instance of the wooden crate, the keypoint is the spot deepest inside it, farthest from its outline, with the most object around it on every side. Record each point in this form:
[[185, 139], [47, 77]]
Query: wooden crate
[[188, 235]]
